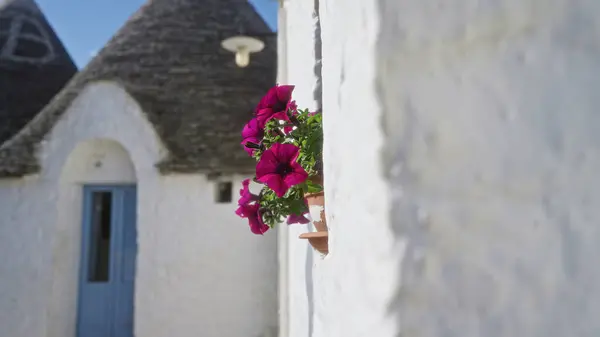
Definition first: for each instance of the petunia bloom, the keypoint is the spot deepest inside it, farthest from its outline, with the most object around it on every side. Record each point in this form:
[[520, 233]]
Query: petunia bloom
[[246, 196], [252, 133], [253, 214], [274, 104], [278, 168], [293, 219]]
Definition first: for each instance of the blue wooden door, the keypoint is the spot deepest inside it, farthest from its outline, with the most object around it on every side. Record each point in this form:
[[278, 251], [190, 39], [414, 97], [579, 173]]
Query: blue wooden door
[[107, 274]]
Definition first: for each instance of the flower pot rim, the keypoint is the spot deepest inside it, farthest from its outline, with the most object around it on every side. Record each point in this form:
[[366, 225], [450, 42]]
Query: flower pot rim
[[314, 235], [317, 194], [318, 240]]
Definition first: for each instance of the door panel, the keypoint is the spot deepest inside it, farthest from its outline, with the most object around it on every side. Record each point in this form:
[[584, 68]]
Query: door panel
[[106, 290], [127, 255]]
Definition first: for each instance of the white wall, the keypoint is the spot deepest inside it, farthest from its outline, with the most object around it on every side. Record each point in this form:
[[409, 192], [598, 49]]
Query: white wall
[[468, 204], [199, 269], [27, 211], [203, 271], [296, 43]]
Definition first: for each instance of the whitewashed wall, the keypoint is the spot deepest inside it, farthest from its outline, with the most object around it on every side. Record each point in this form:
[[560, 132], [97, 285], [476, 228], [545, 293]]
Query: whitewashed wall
[[199, 269], [469, 202], [297, 258], [26, 212]]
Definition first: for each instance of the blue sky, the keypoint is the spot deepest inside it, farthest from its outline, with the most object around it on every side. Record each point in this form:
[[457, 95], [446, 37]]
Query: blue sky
[[85, 26]]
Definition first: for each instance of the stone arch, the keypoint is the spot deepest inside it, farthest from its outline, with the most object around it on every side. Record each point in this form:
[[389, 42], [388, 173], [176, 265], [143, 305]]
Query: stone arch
[[92, 161]]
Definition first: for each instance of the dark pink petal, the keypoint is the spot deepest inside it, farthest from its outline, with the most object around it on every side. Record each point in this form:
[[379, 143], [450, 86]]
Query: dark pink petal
[[293, 219], [284, 92], [296, 167], [267, 164], [246, 196], [254, 140], [266, 98], [252, 129], [291, 106], [245, 189], [263, 116], [257, 225], [265, 112], [271, 96], [285, 153], [252, 133], [252, 212], [240, 212], [282, 116], [276, 183], [250, 151], [294, 160], [245, 211], [295, 178], [298, 174], [288, 129], [277, 98], [246, 183], [269, 99]]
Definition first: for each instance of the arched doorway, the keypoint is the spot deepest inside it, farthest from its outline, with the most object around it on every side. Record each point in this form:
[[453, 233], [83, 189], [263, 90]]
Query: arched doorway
[[97, 213]]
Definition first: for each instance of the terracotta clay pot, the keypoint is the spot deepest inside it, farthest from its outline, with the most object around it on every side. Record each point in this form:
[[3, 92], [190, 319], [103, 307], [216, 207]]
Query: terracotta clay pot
[[319, 239]]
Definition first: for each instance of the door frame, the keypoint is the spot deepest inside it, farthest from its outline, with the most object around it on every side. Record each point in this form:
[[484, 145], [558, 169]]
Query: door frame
[[86, 203]]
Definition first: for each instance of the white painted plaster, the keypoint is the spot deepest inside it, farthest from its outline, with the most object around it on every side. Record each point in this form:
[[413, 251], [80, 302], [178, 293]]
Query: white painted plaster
[[199, 269], [468, 202], [297, 31], [283, 235], [283, 238], [26, 209], [315, 212]]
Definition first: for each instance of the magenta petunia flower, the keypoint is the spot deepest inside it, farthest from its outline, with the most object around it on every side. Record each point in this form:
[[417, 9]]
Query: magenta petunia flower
[[254, 216], [253, 133], [274, 104], [246, 196], [293, 219], [278, 169]]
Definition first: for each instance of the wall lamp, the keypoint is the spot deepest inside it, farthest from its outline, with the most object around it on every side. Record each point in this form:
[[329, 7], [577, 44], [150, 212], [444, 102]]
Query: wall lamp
[[243, 46]]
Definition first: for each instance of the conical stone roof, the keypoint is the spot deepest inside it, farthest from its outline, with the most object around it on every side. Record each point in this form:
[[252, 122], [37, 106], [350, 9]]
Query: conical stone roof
[[168, 56], [34, 65]]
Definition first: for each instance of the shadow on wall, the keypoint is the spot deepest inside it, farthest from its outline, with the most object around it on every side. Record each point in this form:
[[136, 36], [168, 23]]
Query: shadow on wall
[[397, 145], [492, 269]]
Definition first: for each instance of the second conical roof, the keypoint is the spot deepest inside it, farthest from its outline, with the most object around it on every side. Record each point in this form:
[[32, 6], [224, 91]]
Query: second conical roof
[[34, 65]]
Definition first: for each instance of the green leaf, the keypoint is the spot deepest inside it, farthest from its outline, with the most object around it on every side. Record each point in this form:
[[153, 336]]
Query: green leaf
[[313, 187]]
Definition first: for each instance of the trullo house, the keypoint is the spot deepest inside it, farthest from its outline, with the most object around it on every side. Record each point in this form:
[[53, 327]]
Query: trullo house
[[116, 182]]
